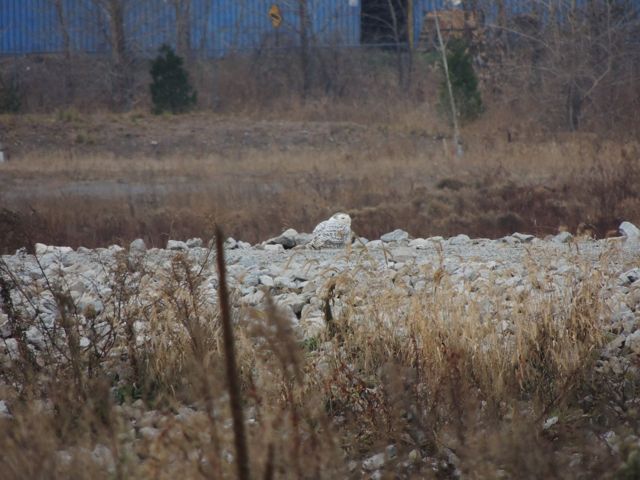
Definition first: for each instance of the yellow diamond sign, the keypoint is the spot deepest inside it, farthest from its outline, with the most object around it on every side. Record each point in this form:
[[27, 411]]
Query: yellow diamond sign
[[275, 15]]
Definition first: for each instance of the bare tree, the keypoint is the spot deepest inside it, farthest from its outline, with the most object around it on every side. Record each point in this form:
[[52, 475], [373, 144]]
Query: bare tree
[[204, 27], [63, 24], [400, 34], [182, 10], [64, 27], [305, 51], [578, 60], [122, 79], [389, 26]]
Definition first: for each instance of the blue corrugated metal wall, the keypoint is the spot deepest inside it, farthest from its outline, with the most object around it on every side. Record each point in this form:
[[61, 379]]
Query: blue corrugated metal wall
[[226, 25], [217, 26]]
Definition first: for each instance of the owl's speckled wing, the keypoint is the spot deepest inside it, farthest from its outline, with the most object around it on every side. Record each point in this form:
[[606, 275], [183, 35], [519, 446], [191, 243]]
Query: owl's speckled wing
[[320, 227], [330, 234]]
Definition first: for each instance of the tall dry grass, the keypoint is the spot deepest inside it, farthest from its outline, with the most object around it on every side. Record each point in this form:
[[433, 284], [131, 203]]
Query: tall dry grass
[[384, 181], [461, 382]]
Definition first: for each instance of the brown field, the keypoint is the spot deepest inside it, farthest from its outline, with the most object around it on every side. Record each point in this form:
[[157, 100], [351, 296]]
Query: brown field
[[77, 179], [323, 405], [544, 386]]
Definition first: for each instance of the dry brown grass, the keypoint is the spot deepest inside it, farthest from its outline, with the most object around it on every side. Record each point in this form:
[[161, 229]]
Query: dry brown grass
[[432, 373], [290, 174]]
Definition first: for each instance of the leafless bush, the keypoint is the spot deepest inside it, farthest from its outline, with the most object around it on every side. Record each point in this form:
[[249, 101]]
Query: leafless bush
[[579, 61]]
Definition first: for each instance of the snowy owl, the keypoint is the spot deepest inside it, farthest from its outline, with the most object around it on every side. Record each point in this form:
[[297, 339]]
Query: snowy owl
[[332, 233]]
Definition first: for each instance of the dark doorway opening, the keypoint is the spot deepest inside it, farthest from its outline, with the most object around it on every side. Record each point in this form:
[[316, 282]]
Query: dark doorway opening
[[383, 22]]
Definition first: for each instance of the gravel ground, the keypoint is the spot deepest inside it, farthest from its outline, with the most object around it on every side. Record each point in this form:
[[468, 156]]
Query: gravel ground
[[496, 276]]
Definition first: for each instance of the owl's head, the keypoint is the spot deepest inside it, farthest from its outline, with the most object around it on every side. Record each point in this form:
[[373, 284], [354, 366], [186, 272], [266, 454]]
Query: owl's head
[[342, 218]]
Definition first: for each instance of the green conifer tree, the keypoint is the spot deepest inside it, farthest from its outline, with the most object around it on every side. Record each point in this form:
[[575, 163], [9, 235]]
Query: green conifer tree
[[464, 82], [170, 88]]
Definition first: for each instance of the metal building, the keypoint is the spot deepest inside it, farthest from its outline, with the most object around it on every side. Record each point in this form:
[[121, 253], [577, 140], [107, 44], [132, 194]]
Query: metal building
[[217, 27]]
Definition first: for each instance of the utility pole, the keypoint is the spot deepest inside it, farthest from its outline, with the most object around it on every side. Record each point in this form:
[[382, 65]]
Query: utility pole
[[454, 111]]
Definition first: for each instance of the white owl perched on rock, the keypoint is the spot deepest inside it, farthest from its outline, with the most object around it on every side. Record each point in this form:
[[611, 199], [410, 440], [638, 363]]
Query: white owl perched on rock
[[332, 233]]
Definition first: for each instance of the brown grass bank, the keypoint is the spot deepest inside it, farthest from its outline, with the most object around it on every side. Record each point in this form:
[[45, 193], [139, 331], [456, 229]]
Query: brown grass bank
[[174, 177]]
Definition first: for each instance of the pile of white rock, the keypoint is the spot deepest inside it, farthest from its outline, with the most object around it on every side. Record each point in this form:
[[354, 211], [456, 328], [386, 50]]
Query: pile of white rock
[[296, 277], [493, 275]]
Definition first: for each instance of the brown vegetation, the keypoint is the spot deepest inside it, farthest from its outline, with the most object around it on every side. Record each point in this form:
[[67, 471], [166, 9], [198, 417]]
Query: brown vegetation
[[435, 379], [257, 158], [173, 177]]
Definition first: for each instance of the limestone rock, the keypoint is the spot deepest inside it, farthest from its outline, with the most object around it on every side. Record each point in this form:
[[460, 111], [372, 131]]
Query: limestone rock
[[267, 281], [5, 326], [229, 244], [194, 242], [562, 237], [523, 237], [288, 239], [375, 244], [402, 254], [633, 342], [459, 239], [629, 231], [397, 235], [4, 410], [549, 422], [630, 276], [421, 243], [149, 433], [137, 246], [102, 456], [177, 245], [374, 462], [35, 337], [311, 327]]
